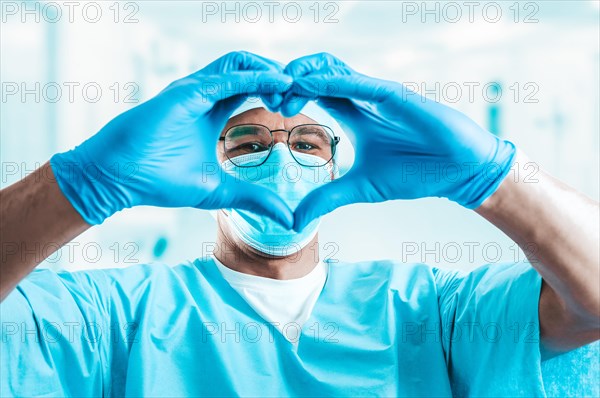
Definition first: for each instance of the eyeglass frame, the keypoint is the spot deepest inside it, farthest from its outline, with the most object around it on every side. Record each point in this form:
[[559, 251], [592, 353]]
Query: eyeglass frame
[[336, 141]]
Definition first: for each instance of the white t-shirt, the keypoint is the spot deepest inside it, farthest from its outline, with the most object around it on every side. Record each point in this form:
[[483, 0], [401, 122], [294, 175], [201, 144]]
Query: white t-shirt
[[287, 304]]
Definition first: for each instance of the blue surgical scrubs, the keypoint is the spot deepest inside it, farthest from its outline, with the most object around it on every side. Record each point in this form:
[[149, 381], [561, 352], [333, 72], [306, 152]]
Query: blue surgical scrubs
[[378, 329]]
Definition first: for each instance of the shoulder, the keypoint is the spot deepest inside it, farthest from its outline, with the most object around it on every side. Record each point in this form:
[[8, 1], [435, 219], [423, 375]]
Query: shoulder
[[395, 275], [97, 284], [149, 276]]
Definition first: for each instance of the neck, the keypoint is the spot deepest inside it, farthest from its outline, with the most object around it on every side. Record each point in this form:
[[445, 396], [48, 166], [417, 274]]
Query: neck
[[242, 258]]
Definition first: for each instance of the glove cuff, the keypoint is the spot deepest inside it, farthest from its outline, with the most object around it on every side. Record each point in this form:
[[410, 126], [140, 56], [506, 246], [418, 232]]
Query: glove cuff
[[490, 175], [90, 190]]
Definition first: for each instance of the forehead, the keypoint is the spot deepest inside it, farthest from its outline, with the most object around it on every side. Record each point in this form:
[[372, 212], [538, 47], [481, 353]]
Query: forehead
[[269, 119]]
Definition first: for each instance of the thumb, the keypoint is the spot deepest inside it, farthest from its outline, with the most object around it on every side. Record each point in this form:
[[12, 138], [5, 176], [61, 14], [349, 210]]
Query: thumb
[[236, 194], [325, 199]]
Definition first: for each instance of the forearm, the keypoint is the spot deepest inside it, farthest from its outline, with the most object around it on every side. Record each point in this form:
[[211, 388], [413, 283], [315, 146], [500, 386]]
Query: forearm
[[558, 229], [35, 220]]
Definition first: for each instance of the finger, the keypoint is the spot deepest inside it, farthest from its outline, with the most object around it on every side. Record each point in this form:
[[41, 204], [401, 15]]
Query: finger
[[325, 199], [249, 83], [292, 104], [223, 110], [338, 108], [272, 101], [312, 63], [294, 100], [236, 194], [237, 61], [246, 61], [337, 83], [200, 94]]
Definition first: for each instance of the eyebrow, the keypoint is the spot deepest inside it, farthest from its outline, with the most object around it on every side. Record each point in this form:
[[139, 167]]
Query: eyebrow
[[313, 130], [241, 130]]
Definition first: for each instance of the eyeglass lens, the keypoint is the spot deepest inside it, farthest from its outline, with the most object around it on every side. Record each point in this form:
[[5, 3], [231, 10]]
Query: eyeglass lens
[[311, 139]]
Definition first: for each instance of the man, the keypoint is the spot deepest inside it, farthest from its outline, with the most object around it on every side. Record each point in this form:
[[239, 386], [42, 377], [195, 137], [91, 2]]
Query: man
[[221, 327]]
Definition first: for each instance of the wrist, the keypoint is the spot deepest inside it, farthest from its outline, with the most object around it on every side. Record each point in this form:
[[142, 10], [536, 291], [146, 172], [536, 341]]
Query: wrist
[[57, 201], [510, 188], [37, 220]]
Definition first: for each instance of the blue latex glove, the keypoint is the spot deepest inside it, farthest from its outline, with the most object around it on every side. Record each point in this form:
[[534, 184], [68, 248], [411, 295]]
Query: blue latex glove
[[407, 147], [163, 152]]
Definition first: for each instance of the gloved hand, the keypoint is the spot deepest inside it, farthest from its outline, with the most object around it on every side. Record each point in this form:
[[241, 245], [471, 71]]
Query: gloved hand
[[163, 152], [407, 146]]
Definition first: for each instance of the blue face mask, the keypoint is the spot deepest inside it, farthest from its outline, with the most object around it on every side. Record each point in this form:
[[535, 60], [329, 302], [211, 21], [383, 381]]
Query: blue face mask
[[292, 182]]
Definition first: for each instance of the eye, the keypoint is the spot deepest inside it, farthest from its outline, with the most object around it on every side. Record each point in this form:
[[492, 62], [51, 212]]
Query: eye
[[304, 146], [251, 147]]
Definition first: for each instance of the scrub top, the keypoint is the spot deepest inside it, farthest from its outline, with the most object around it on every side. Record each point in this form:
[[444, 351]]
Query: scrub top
[[378, 328]]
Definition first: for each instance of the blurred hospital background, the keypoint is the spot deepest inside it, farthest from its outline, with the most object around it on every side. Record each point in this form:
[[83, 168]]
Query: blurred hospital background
[[529, 73]]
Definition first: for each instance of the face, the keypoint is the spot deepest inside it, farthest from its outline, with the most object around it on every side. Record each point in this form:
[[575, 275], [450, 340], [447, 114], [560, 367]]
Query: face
[[248, 144], [306, 138]]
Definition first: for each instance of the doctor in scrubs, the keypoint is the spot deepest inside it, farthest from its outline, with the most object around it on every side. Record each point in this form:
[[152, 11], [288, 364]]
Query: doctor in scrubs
[[260, 146]]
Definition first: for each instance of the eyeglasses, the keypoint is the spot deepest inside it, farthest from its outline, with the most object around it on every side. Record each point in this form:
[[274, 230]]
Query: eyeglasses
[[312, 139]]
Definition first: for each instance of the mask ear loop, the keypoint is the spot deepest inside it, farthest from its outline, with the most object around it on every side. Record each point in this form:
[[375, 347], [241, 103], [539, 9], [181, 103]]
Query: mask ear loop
[[333, 169], [215, 213], [332, 165]]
